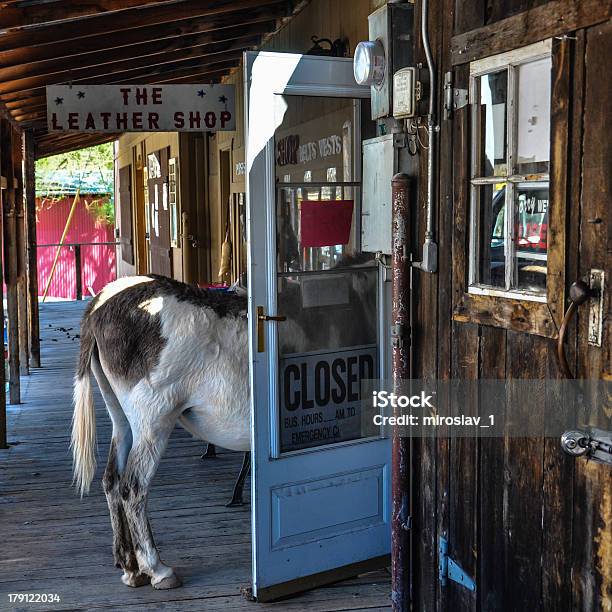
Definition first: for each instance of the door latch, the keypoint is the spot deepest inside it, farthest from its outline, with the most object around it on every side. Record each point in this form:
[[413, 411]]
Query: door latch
[[596, 285], [449, 568], [595, 444]]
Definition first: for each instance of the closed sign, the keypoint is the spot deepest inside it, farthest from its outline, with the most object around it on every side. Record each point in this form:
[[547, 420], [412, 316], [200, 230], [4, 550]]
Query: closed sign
[[321, 397]]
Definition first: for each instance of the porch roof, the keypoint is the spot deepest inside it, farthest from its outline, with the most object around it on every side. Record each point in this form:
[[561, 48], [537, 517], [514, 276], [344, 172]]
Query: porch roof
[[46, 42]]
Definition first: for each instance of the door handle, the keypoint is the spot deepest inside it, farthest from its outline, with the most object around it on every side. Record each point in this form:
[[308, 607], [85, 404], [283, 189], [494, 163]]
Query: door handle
[[261, 318], [579, 293]]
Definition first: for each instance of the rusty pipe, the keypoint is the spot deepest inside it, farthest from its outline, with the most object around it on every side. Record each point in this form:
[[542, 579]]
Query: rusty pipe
[[401, 448]]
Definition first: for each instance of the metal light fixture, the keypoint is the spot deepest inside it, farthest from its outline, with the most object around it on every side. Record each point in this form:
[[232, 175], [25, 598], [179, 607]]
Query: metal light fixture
[[369, 63]]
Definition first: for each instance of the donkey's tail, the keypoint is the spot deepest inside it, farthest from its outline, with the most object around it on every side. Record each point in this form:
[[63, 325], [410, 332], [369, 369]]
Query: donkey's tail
[[83, 442]]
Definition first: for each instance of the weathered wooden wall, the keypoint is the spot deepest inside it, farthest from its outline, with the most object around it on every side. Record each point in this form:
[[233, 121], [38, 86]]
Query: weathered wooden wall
[[531, 525]]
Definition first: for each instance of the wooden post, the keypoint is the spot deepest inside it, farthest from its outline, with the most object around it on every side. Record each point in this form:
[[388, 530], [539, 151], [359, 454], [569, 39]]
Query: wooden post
[[3, 437], [22, 289], [10, 262], [78, 271], [32, 269]]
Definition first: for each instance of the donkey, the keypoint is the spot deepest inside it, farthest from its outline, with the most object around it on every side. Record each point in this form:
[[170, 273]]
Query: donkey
[[162, 352]]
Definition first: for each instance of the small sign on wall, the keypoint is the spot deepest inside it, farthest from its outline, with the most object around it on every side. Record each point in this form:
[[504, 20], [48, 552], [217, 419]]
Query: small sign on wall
[[140, 108]]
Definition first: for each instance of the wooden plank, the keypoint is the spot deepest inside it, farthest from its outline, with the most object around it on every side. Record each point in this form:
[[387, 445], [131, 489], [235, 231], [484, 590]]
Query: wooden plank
[[445, 217], [522, 316], [37, 14], [3, 185], [523, 478], [187, 14], [130, 68], [469, 14], [557, 487], [464, 473], [10, 260], [22, 301], [551, 19], [491, 542], [592, 508], [32, 261], [146, 48]]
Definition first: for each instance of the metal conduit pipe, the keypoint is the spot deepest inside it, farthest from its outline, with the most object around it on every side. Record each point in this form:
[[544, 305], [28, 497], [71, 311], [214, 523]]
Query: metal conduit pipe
[[429, 260]]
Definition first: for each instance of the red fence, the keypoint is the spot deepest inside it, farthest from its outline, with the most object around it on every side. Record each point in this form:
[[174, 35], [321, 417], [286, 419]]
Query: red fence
[[97, 260]]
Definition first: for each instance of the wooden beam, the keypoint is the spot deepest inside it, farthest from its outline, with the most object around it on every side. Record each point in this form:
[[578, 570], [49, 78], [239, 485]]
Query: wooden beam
[[56, 10], [179, 16], [208, 77], [150, 49], [3, 186], [32, 255], [145, 74], [61, 146], [22, 300], [545, 21], [10, 260], [171, 34], [128, 65]]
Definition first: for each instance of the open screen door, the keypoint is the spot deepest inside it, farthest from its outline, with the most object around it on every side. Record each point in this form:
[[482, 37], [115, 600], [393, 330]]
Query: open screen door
[[321, 470]]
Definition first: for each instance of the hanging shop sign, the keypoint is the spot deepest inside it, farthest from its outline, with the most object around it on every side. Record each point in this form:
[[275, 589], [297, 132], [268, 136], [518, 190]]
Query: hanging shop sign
[[140, 108], [321, 399]]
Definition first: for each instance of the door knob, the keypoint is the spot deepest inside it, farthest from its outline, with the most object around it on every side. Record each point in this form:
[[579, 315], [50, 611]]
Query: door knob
[[261, 318], [579, 293]]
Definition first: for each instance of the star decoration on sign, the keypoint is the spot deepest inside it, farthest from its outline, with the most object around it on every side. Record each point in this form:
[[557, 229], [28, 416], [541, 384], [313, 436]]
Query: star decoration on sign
[[81, 94], [59, 101], [222, 99], [201, 93]]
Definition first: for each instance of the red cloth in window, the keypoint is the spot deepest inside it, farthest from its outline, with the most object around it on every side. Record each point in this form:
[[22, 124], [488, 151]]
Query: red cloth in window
[[325, 222]]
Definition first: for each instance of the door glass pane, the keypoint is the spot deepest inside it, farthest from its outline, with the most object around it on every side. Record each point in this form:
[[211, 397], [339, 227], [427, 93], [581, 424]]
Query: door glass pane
[[533, 121], [327, 290], [491, 232], [531, 216], [314, 144], [492, 116]]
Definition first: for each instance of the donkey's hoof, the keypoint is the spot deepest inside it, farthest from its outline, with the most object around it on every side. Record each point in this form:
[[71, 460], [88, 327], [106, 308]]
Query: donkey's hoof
[[169, 582], [135, 580]]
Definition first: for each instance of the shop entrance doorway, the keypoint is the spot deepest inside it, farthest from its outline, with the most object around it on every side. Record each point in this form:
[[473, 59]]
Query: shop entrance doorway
[[317, 311]]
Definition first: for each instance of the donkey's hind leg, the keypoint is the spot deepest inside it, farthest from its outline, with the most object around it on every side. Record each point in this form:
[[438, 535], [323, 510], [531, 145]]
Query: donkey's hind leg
[[151, 424], [239, 486], [121, 443]]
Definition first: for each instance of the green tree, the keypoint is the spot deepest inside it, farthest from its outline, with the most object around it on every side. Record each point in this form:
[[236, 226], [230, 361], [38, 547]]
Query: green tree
[[59, 175]]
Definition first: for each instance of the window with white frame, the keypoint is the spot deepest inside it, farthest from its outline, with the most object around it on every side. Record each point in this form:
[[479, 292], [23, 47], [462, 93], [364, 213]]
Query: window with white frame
[[510, 100]]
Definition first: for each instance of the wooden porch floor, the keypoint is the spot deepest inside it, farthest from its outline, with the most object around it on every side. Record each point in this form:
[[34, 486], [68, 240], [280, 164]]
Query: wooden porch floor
[[53, 542]]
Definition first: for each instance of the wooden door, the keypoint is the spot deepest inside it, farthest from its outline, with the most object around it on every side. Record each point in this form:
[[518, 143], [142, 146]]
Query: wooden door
[[159, 234], [528, 523], [125, 209]]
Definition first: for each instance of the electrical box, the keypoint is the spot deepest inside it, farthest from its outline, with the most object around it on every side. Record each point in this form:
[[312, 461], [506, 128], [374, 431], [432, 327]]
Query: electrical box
[[404, 93], [393, 26], [379, 166]]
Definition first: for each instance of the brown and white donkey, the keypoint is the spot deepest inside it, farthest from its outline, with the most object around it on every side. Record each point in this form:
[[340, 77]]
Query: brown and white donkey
[[162, 352]]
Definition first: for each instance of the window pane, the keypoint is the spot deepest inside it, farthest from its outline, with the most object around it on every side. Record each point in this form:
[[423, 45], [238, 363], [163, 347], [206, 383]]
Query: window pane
[[533, 122], [531, 215], [492, 97], [490, 254], [327, 347]]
